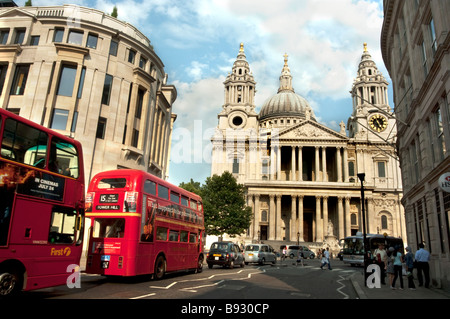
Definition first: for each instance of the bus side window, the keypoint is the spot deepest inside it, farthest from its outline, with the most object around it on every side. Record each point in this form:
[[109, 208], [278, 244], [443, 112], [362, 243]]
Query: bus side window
[[24, 144], [63, 158]]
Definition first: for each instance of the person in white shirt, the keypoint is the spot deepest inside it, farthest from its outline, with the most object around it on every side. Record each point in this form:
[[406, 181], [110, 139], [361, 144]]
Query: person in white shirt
[[326, 259]]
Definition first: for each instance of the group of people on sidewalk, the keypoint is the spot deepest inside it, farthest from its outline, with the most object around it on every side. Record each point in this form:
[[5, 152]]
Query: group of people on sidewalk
[[396, 265]]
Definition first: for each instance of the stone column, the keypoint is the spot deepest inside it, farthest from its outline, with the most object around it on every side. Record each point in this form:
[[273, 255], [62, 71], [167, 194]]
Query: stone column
[[279, 163], [325, 216], [300, 164], [319, 222], [341, 233], [345, 165], [316, 166], [293, 226], [278, 234], [339, 164], [347, 217], [324, 164], [300, 217], [293, 170], [272, 222]]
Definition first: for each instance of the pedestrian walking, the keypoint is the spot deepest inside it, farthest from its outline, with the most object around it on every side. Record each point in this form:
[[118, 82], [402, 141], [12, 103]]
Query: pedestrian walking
[[326, 259], [390, 266], [300, 256], [398, 269], [380, 260], [423, 268], [409, 261]]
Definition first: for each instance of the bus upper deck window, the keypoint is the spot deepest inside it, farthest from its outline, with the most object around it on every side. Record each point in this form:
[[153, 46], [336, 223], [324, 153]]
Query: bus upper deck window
[[118, 182]]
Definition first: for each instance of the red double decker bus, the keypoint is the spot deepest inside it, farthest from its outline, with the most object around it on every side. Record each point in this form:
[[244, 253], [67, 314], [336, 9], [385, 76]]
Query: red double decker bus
[[142, 224], [41, 205]]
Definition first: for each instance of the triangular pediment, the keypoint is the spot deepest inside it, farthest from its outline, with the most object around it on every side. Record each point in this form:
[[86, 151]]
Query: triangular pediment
[[311, 130], [16, 12]]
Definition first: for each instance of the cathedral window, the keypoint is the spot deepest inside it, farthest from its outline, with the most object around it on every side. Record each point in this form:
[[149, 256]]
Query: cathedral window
[[235, 166]]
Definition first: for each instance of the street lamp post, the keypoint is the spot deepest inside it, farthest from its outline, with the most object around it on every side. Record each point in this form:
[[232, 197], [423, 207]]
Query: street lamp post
[[361, 177], [298, 238]]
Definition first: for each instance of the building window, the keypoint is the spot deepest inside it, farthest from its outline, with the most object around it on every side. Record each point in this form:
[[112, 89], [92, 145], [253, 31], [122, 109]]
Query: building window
[[20, 80], [67, 80], [58, 36], [75, 37], [382, 169], [3, 70], [142, 62], [59, 119], [264, 216], [81, 83], [107, 89], [113, 48], [433, 36], [131, 56], [35, 40], [384, 222], [74, 122], [4, 34], [235, 166], [135, 138], [439, 133], [92, 41], [101, 128], [140, 103], [424, 59], [20, 35]]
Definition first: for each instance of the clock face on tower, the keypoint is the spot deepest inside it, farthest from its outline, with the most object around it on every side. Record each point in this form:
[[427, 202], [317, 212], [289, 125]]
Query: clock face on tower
[[378, 123]]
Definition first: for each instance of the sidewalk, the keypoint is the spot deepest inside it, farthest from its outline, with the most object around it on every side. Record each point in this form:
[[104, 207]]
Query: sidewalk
[[385, 292]]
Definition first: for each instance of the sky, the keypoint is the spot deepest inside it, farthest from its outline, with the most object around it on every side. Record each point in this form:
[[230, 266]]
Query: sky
[[198, 42]]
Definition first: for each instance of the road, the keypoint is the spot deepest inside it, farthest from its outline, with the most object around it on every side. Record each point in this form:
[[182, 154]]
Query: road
[[285, 280]]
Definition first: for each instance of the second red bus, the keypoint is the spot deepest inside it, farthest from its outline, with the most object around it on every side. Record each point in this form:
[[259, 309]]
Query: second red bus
[[142, 224]]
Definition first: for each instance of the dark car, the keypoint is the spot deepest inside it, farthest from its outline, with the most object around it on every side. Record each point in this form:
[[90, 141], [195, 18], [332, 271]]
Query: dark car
[[225, 254]]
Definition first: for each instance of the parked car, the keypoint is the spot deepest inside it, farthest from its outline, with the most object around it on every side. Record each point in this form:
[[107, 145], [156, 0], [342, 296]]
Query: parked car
[[292, 252], [259, 253], [225, 254]]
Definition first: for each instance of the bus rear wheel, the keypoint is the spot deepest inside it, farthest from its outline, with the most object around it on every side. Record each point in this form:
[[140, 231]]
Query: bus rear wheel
[[160, 268]]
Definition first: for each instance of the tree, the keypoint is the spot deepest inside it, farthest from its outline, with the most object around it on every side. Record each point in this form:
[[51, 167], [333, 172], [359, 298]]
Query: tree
[[28, 3], [193, 187], [224, 206], [114, 12]]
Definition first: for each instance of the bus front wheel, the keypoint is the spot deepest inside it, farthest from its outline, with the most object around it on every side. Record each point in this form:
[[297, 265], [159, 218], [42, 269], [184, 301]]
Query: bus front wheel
[[9, 284], [160, 267]]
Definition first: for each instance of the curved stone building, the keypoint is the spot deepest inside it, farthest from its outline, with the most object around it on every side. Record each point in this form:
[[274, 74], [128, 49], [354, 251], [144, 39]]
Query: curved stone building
[[300, 175], [88, 75]]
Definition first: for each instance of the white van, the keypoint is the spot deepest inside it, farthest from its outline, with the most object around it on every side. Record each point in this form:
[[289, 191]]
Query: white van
[[259, 253]]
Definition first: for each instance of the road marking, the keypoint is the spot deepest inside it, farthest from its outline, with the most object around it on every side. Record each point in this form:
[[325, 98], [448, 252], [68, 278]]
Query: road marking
[[343, 286], [143, 296]]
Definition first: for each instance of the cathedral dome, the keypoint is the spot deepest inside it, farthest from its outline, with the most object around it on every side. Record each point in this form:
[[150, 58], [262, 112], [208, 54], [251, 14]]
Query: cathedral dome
[[286, 103]]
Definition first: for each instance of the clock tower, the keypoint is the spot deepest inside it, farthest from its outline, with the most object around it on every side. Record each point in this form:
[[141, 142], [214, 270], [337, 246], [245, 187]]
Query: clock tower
[[371, 118]]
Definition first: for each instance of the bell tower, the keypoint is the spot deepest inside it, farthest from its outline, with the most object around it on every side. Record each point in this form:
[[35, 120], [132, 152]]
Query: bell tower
[[238, 110]]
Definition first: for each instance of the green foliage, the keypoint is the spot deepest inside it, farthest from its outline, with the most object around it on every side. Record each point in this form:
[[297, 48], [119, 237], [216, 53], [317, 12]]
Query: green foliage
[[114, 12], [28, 3], [224, 206]]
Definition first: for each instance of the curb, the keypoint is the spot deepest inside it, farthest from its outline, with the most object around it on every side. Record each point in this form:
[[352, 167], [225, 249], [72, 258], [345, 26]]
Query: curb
[[359, 291]]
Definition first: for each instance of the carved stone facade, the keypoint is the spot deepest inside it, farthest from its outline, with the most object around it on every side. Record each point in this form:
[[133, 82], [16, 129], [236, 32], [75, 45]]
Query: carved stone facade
[[300, 175]]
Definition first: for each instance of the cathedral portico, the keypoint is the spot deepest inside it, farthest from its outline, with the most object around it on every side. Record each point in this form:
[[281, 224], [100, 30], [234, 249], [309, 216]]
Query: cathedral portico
[[299, 174]]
